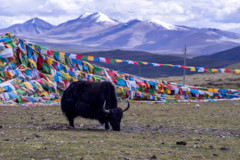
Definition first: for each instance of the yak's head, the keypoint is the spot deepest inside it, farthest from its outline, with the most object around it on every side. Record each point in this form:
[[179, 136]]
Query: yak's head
[[115, 116]]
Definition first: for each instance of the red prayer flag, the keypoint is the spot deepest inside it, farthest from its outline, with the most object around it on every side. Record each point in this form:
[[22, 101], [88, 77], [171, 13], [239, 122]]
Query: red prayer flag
[[228, 71], [184, 67], [135, 62], [79, 57], [108, 60], [49, 52]]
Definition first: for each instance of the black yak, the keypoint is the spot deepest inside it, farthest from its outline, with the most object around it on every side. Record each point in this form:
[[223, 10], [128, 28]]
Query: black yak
[[92, 100]]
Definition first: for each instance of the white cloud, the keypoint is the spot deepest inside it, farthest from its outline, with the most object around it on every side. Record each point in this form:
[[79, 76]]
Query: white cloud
[[208, 13]]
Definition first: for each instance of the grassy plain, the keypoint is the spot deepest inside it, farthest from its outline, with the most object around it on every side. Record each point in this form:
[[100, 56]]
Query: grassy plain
[[149, 131], [210, 80]]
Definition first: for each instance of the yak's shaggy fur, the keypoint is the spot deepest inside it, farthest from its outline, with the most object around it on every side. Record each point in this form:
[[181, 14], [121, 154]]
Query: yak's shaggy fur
[[87, 99]]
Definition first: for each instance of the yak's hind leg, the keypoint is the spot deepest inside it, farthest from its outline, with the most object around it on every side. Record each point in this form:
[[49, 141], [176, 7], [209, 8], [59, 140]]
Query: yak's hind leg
[[71, 121], [68, 109], [71, 116]]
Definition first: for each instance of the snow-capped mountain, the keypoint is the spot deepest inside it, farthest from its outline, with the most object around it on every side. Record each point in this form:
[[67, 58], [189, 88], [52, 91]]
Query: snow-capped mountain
[[162, 38], [83, 25], [132, 35], [32, 26], [98, 31], [96, 17]]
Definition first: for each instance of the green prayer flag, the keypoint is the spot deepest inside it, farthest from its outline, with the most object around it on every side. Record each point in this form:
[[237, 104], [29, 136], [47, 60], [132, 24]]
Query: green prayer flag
[[84, 57], [151, 90], [20, 91], [2, 74], [97, 70], [35, 95], [21, 85], [40, 47], [19, 99], [61, 92], [66, 61], [46, 68], [63, 77], [112, 61]]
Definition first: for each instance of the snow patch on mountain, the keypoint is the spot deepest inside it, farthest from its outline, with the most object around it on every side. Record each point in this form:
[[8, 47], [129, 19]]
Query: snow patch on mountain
[[96, 17]]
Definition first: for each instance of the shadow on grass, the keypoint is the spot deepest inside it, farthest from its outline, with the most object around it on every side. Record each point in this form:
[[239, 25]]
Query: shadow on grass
[[88, 127]]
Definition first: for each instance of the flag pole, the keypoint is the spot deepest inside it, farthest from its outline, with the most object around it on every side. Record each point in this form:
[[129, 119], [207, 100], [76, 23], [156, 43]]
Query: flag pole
[[184, 71]]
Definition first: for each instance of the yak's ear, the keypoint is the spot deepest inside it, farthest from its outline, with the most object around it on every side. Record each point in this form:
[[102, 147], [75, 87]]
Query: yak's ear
[[104, 108]]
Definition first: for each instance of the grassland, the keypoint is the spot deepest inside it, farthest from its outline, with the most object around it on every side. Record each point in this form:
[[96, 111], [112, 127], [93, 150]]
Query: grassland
[[149, 131], [210, 80]]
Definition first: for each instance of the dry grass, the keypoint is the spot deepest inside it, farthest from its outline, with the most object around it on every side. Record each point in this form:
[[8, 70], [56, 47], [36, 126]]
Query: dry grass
[[148, 131], [210, 80]]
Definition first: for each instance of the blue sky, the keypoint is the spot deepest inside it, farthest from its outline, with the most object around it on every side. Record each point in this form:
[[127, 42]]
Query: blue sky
[[222, 14]]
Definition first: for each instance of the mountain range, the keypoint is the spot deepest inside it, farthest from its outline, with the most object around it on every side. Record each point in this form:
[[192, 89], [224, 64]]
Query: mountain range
[[31, 27], [96, 31]]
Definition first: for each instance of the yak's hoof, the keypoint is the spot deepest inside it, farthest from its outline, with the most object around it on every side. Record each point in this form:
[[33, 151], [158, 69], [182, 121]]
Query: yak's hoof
[[71, 127]]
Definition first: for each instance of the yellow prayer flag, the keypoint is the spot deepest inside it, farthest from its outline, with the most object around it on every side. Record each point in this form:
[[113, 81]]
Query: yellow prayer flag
[[11, 76], [118, 60], [61, 54], [237, 71], [90, 58], [148, 86], [8, 45], [119, 90], [94, 78], [168, 96], [66, 75], [32, 62], [1, 89], [44, 94], [51, 77], [91, 68], [214, 70], [49, 81], [192, 69], [75, 79], [50, 61], [39, 87], [1, 64], [168, 91], [145, 63], [210, 90], [28, 85], [14, 91], [62, 57]]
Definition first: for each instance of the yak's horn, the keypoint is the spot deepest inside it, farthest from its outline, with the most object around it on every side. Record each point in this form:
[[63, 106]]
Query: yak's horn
[[104, 108], [127, 106]]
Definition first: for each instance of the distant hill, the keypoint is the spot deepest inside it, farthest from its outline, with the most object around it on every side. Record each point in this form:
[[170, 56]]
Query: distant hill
[[30, 27], [150, 71], [231, 54], [234, 66]]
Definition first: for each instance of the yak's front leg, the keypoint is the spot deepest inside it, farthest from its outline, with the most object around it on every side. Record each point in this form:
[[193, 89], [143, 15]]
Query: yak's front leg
[[107, 127]]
